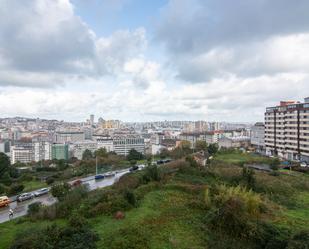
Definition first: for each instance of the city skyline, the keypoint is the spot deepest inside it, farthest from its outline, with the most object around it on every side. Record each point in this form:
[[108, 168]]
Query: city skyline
[[161, 60]]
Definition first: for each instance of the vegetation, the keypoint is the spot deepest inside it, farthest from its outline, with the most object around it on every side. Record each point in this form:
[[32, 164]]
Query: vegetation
[[178, 205]]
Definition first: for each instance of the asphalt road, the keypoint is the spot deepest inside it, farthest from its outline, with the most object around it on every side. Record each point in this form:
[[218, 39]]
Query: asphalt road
[[21, 208]]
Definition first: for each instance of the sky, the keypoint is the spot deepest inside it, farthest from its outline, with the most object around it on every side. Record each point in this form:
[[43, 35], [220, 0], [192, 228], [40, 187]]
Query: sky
[[136, 60]]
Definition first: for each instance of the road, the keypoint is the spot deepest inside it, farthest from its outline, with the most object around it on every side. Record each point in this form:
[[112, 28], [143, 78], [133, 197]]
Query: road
[[21, 208]]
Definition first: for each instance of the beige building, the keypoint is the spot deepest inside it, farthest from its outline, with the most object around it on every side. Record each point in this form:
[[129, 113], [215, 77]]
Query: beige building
[[287, 130]]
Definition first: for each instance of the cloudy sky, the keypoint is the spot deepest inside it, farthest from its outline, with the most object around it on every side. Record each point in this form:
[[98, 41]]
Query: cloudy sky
[[139, 60]]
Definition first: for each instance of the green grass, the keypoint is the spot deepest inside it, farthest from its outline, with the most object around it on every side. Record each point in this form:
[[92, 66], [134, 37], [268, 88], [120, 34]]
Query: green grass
[[297, 217], [238, 158], [164, 217], [33, 185], [9, 230]]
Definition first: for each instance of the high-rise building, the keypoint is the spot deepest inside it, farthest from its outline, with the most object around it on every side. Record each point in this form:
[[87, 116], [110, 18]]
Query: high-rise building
[[41, 150], [60, 151], [287, 130], [69, 136]]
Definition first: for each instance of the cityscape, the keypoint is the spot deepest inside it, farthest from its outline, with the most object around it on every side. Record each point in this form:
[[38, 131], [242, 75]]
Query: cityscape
[[167, 124]]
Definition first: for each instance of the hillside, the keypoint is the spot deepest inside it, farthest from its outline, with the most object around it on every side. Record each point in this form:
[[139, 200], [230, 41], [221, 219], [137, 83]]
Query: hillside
[[179, 205]]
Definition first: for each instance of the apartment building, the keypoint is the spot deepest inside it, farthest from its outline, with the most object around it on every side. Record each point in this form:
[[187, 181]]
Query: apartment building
[[287, 130], [21, 154], [42, 150], [123, 144]]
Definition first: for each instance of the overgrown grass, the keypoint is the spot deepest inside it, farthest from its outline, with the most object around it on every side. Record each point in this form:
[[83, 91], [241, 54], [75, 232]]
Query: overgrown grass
[[33, 185]]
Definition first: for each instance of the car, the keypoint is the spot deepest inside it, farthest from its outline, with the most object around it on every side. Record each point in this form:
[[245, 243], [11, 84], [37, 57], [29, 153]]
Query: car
[[76, 183], [133, 168], [4, 201], [303, 164], [42, 191], [109, 174], [24, 197]]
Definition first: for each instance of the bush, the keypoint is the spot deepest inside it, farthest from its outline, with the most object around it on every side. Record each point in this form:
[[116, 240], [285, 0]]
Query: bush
[[299, 241], [60, 190], [34, 208], [70, 237], [234, 209], [130, 197], [16, 188], [128, 238], [50, 180]]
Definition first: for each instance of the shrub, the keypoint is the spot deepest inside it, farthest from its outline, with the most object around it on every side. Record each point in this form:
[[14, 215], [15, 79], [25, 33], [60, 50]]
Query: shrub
[[130, 197], [128, 238], [234, 209], [15, 188], [299, 241], [56, 237], [60, 190], [50, 180], [248, 177], [34, 208]]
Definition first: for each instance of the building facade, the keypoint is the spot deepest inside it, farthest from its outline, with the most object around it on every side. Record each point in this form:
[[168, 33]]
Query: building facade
[[60, 151], [258, 137], [21, 154], [42, 150], [123, 144], [287, 130]]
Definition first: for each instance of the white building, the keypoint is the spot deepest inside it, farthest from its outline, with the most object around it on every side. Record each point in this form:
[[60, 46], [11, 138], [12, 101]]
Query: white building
[[69, 136], [105, 142], [257, 137], [123, 144], [234, 142], [41, 150], [78, 148], [287, 130], [21, 154]]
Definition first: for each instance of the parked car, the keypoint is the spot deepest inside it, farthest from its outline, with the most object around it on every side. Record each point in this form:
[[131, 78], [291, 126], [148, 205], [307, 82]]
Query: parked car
[[42, 191], [24, 197], [134, 168], [303, 164], [76, 183], [4, 201], [109, 174]]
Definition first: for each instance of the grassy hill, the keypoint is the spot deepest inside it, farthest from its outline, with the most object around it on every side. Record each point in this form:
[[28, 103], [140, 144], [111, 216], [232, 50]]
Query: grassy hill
[[180, 205]]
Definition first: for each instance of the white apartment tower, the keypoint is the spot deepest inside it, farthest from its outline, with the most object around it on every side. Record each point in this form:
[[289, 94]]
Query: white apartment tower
[[287, 130]]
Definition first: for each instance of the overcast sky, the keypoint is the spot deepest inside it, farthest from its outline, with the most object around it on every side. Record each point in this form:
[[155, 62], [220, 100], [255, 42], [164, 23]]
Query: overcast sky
[[138, 60]]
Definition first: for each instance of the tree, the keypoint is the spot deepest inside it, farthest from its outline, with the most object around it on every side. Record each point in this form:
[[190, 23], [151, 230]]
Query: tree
[[134, 155], [248, 177], [60, 190], [4, 164], [87, 155], [200, 145], [274, 165], [164, 153], [212, 149], [101, 153]]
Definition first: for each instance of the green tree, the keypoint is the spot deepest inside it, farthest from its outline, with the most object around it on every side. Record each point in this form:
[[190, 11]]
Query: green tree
[[212, 149], [87, 155], [134, 155], [274, 165], [60, 190], [164, 153], [101, 153], [200, 145], [248, 177], [4, 164]]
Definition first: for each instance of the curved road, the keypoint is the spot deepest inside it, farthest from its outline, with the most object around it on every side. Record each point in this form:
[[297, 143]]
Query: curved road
[[21, 208]]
